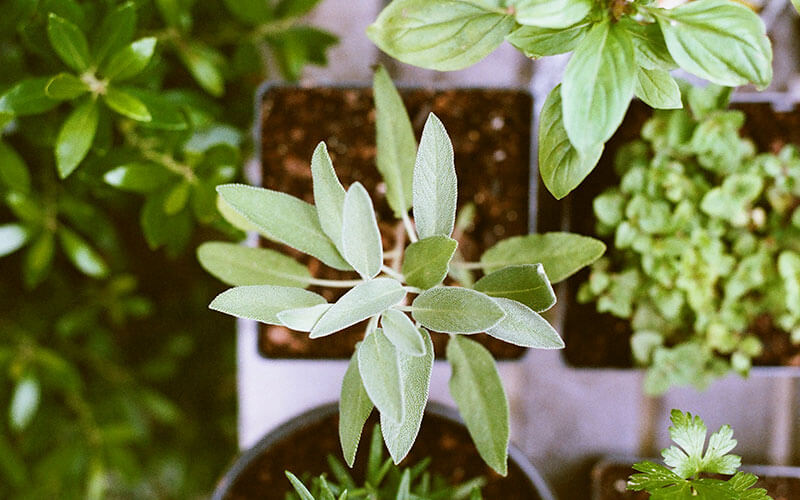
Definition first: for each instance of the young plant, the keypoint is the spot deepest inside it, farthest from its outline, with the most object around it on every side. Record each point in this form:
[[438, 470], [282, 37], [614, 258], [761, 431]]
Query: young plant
[[402, 296], [706, 250], [620, 49], [383, 481], [687, 463]]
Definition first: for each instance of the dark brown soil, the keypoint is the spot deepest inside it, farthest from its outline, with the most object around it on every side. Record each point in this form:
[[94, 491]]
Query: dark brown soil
[[490, 130], [453, 455], [609, 482], [602, 340]]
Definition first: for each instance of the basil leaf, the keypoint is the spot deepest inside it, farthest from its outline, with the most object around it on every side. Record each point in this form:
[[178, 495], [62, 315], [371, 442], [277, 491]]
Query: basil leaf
[[28, 97], [538, 42], [354, 409], [598, 86], [69, 42], [65, 86], [649, 46], [82, 256], [525, 283], [76, 137], [478, 391], [12, 238], [379, 366], [427, 261], [435, 189], [658, 89], [364, 300], [561, 165], [402, 333], [328, 194], [456, 310], [524, 327], [551, 13], [263, 302], [441, 35], [239, 265], [361, 238], [129, 61], [126, 104]]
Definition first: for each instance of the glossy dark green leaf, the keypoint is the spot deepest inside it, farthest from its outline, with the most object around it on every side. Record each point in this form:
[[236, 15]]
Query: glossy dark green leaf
[[263, 302], [354, 409], [139, 177], [164, 114], [115, 31], [38, 259], [525, 283], [14, 173], [426, 262], [177, 197], [205, 65], [130, 60], [69, 42], [65, 86], [81, 254], [252, 12], [126, 104], [295, 8], [27, 97], [76, 137], [240, 265]]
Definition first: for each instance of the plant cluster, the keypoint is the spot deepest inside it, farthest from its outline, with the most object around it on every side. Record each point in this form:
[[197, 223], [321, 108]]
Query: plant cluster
[[619, 48], [687, 464], [383, 481], [391, 367], [706, 243]]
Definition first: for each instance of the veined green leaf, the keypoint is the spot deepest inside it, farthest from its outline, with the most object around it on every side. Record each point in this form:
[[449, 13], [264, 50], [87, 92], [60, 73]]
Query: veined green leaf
[[427, 261], [263, 302], [441, 35], [69, 42], [525, 283], [83, 256], [456, 310], [28, 97], [402, 333], [379, 366], [649, 46], [328, 194], [130, 60], [303, 319], [435, 186], [538, 42], [561, 165], [354, 409], [551, 13], [478, 391], [285, 219], [12, 238], [396, 144], [24, 403], [13, 171], [126, 104], [240, 265], [76, 137], [658, 89], [416, 374], [365, 300], [139, 177], [724, 42], [522, 326], [598, 85], [65, 86], [361, 239], [115, 31], [561, 254]]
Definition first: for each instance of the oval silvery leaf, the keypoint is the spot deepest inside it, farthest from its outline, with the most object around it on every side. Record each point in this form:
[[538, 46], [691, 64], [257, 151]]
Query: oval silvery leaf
[[328, 194], [598, 85], [402, 332], [561, 254], [561, 166], [416, 374], [303, 319], [285, 219], [524, 327], [551, 13], [435, 189], [263, 302], [354, 409], [395, 141], [478, 391], [426, 262], [538, 42], [440, 35], [719, 40], [658, 89], [361, 238], [456, 310], [364, 300], [239, 265], [379, 366], [525, 283]]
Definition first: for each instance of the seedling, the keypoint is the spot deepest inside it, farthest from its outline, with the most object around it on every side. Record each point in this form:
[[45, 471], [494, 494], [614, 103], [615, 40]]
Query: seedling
[[400, 295]]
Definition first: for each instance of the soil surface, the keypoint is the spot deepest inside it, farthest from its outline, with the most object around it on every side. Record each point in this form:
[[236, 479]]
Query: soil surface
[[453, 455], [490, 130], [602, 340], [609, 483]]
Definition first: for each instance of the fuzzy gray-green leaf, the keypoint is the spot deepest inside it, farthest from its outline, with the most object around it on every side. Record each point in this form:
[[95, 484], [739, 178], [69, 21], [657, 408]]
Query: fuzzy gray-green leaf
[[522, 326], [456, 310], [379, 366], [361, 238], [427, 261], [303, 319], [263, 302], [354, 409], [328, 194], [402, 332], [435, 184], [525, 283], [365, 300]]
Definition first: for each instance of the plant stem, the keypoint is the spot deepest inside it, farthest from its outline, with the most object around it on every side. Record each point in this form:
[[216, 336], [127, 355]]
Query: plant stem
[[412, 233], [407, 309], [413, 289], [391, 272], [371, 326], [333, 283], [468, 265]]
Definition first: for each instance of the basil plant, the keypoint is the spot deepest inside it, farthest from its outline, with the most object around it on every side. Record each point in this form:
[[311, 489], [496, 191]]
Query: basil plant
[[706, 250], [619, 49], [402, 297]]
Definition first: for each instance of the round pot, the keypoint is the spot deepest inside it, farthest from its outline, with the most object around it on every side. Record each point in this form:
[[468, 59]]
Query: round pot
[[302, 444]]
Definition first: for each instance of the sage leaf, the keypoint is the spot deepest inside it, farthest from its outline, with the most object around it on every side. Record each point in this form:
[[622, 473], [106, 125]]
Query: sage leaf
[[456, 310], [525, 283], [24, 403], [65, 86], [127, 104], [538, 42], [129, 61], [435, 190], [658, 89], [28, 97], [718, 40], [263, 302], [561, 165], [81, 254], [285, 219], [524, 327], [395, 141], [13, 171], [12, 238], [364, 300], [416, 374], [139, 177], [478, 391], [239, 265], [379, 366], [303, 319], [233, 217], [551, 13], [561, 254], [402, 333], [354, 409], [69, 42], [427, 261], [76, 137], [444, 36], [598, 85], [361, 238], [328, 194]]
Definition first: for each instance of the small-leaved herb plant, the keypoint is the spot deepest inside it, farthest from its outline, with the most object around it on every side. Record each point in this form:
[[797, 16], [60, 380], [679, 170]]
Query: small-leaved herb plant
[[619, 49], [383, 481], [400, 294], [706, 244], [685, 476]]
